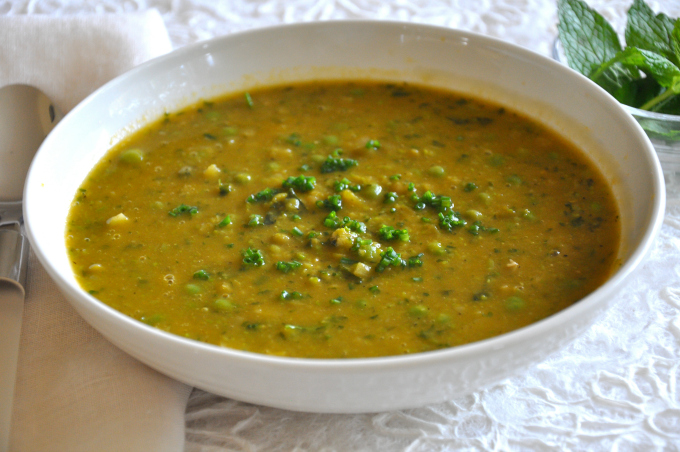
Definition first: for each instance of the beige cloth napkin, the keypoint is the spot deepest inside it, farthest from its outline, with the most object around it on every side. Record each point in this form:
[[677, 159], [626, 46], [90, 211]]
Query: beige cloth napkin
[[75, 391]]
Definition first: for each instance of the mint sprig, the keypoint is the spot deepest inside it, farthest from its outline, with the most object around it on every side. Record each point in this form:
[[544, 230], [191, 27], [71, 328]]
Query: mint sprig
[[645, 74]]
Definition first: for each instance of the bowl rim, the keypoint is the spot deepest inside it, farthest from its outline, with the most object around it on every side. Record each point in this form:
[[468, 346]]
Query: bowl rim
[[528, 333]]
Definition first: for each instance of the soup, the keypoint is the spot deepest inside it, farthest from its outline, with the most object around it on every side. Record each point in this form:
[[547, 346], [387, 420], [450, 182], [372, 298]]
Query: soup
[[342, 220]]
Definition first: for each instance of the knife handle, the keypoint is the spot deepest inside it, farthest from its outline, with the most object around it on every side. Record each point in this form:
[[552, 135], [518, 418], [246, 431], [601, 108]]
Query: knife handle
[[11, 313]]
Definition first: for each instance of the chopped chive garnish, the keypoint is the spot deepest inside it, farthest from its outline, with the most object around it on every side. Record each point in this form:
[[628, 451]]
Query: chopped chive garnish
[[450, 220], [389, 258], [333, 202], [225, 221], [253, 257], [345, 184], [224, 188], [286, 267], [265, 195], [332, 164], [470, 186], [183, 208], [300, 183], [373, 144], [415, 261], [390, 197], [285, 295], [256, 220], [390, 233]]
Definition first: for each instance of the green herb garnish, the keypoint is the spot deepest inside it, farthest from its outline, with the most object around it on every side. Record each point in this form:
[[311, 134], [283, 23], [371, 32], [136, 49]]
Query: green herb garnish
[[286, 267], [415, 261], [333, 163], [202, 275], [223, 188], [389, 258], [477, 227], [256, 220], [285, 295], [390, 233], [373, 144], [450, 220], [225, 221], [253, 257], [300, 183], [334, 222], [265, 195], [390, 197], [345, 184], [183, 208], [333, 202]]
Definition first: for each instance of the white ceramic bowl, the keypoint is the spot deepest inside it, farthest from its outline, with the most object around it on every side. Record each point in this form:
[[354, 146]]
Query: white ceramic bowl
[[441, 57]]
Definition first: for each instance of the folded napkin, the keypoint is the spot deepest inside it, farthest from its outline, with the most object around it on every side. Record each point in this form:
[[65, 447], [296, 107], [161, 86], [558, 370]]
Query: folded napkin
[[75, 391]]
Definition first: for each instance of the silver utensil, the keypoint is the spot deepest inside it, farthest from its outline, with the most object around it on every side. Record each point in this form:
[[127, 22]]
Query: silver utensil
[[27, 115]]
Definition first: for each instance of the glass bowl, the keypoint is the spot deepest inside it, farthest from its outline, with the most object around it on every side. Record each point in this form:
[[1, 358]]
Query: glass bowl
[[662, 129]]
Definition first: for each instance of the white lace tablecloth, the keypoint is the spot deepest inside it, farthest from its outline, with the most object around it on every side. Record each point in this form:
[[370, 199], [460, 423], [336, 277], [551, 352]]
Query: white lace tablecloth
[[615, 388]]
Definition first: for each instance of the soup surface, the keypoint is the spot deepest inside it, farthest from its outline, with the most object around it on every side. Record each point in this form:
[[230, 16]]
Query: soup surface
[[334, 220]]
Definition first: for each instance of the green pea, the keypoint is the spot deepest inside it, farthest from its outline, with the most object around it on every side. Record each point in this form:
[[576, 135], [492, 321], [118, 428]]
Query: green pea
[[474, 214], [514, 180], [372, 191], [436, 248], [230, 131], [242, 178], [526, 213], [437, 171], [331, 139], [132, 156], [418, 310], [443, 318], [514, 304], [193, 289], [224, 305]]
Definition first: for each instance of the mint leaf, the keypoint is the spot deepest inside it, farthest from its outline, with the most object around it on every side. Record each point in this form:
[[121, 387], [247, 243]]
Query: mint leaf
[[590, 41], [660, 68], [675, 39], [647, 31], [641, 91]]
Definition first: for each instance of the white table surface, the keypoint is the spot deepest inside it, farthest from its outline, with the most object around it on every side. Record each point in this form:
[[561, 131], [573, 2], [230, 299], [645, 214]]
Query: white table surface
[[615, 388]]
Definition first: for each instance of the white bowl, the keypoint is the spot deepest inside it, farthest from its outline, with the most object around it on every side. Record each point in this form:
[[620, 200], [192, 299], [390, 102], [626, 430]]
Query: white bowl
[[441, 57]]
